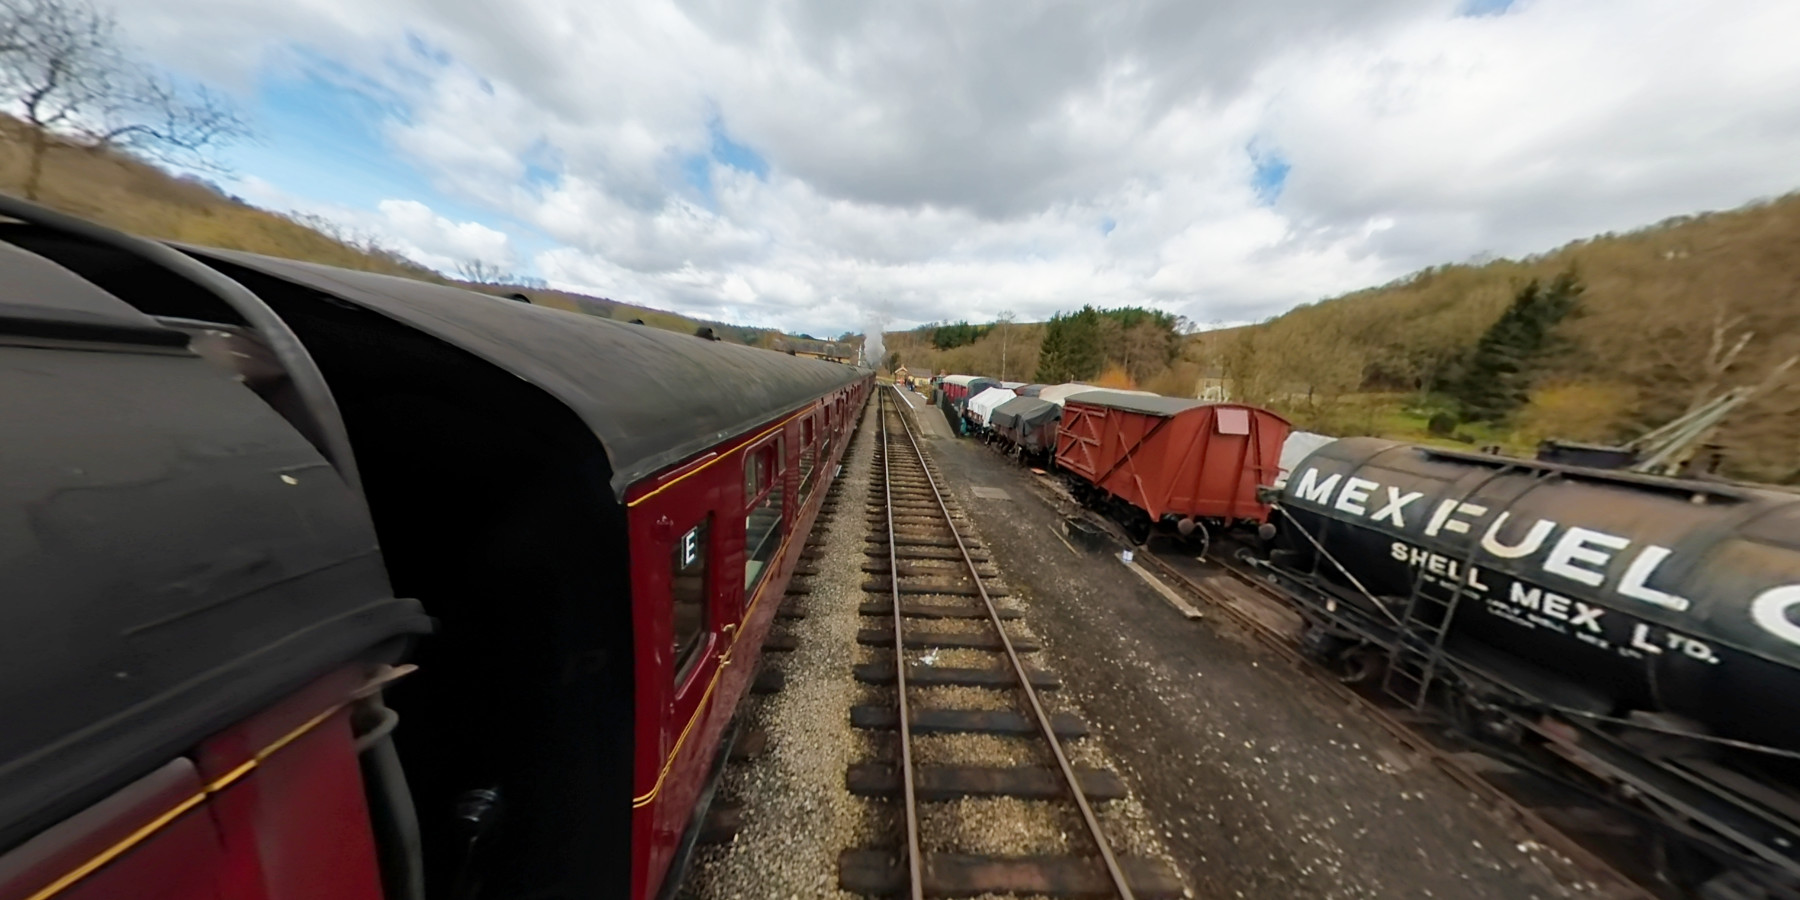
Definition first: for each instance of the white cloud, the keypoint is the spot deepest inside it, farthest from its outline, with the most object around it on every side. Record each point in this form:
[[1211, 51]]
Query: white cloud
[[407, 227], [945, 160]]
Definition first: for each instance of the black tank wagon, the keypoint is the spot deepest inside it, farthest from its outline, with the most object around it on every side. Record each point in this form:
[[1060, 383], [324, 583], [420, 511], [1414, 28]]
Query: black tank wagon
[[1648, 612]]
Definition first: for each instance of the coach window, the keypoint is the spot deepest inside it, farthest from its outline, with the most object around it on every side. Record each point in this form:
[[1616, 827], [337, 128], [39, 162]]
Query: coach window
[[762, 519], [688, 587], [808, 456]]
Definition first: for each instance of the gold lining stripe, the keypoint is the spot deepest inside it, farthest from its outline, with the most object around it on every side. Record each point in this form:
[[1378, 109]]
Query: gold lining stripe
[[111, 853], [157, 824], [720, 457], [649, 796]]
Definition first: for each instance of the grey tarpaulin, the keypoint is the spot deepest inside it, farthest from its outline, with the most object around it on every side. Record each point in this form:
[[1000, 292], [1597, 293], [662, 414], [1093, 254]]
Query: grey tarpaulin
[[1150, 404]]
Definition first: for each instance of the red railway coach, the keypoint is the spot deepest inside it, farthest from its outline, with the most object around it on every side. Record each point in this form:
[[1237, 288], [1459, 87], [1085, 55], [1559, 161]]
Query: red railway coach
[[324, 584], [1168, 461]]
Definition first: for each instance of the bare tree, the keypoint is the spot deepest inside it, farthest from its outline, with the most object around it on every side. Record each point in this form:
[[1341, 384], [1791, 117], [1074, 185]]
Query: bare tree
[[477, 271], [65, 72], [1004, 324]]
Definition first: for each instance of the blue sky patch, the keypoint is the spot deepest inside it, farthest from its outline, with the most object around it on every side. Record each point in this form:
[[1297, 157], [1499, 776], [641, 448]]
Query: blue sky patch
[[1107, 225], [543, 165], [1270, 176], [696, 169], [734, 154], [1481, 8], [322, 136]]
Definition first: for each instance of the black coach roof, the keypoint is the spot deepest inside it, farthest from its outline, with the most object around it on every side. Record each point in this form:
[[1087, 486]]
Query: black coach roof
[[1151, 404], [175, 555], [679, 395]]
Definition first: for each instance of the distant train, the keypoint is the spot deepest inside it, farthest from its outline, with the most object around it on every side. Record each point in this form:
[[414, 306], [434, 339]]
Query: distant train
[[1645, 630], [329, 584]]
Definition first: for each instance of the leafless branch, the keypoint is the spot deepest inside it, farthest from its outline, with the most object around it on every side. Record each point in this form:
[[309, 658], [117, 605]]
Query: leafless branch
[[64, 70], [476, 271]]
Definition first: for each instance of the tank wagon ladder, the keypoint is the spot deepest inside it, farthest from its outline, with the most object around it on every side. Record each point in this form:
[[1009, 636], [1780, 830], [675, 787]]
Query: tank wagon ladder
[[1418, 650]]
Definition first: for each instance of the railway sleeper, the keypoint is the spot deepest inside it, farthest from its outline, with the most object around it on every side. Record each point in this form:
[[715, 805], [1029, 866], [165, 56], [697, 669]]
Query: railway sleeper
[[977, 554], [933, 720], [879, 566], [914, 520], [768, 681], [902, 539], [943, 640], [918, 585], [937, 784], [883, 873], [904, 494], [721, 825], [750, 745], [938, 610], [915, 529], [953, 676]]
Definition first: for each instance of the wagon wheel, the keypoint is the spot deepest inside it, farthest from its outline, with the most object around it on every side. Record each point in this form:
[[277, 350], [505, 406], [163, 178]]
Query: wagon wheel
[[1198, 541]]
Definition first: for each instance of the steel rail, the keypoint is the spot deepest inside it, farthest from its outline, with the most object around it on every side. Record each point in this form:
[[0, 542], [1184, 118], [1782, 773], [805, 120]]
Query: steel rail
[[1012, 655], [915, 863]]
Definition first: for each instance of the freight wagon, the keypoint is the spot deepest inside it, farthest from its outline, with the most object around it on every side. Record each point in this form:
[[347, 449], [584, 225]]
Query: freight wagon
[[1026, 426], [1156, 462]]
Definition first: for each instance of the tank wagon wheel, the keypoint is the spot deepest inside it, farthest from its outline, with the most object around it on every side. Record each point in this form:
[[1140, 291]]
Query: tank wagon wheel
[[1361, 664]]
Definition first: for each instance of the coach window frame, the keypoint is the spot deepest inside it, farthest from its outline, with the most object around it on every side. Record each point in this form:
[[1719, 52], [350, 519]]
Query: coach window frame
[[764, 468], [809, 455], [684, 659]]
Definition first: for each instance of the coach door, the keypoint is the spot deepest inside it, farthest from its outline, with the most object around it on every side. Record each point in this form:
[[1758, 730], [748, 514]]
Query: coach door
[[687, 626]]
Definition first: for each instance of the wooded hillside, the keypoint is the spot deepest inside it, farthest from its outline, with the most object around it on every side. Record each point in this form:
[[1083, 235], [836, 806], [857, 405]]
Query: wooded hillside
[[1668, 316], [1665, 317]]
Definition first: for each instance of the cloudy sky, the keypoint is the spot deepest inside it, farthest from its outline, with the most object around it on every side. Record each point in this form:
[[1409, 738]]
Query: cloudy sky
[[810, 164]]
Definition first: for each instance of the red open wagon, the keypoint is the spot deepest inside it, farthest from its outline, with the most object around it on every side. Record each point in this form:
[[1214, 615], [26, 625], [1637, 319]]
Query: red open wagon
[[1169, 460]]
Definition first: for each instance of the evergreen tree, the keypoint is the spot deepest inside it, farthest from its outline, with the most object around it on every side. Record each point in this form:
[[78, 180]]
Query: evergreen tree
[[1496, 376], [1071, 349], [946, 337]]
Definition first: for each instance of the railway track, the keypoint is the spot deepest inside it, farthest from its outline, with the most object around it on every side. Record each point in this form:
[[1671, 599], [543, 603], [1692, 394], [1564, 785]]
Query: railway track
[[934, 593]]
